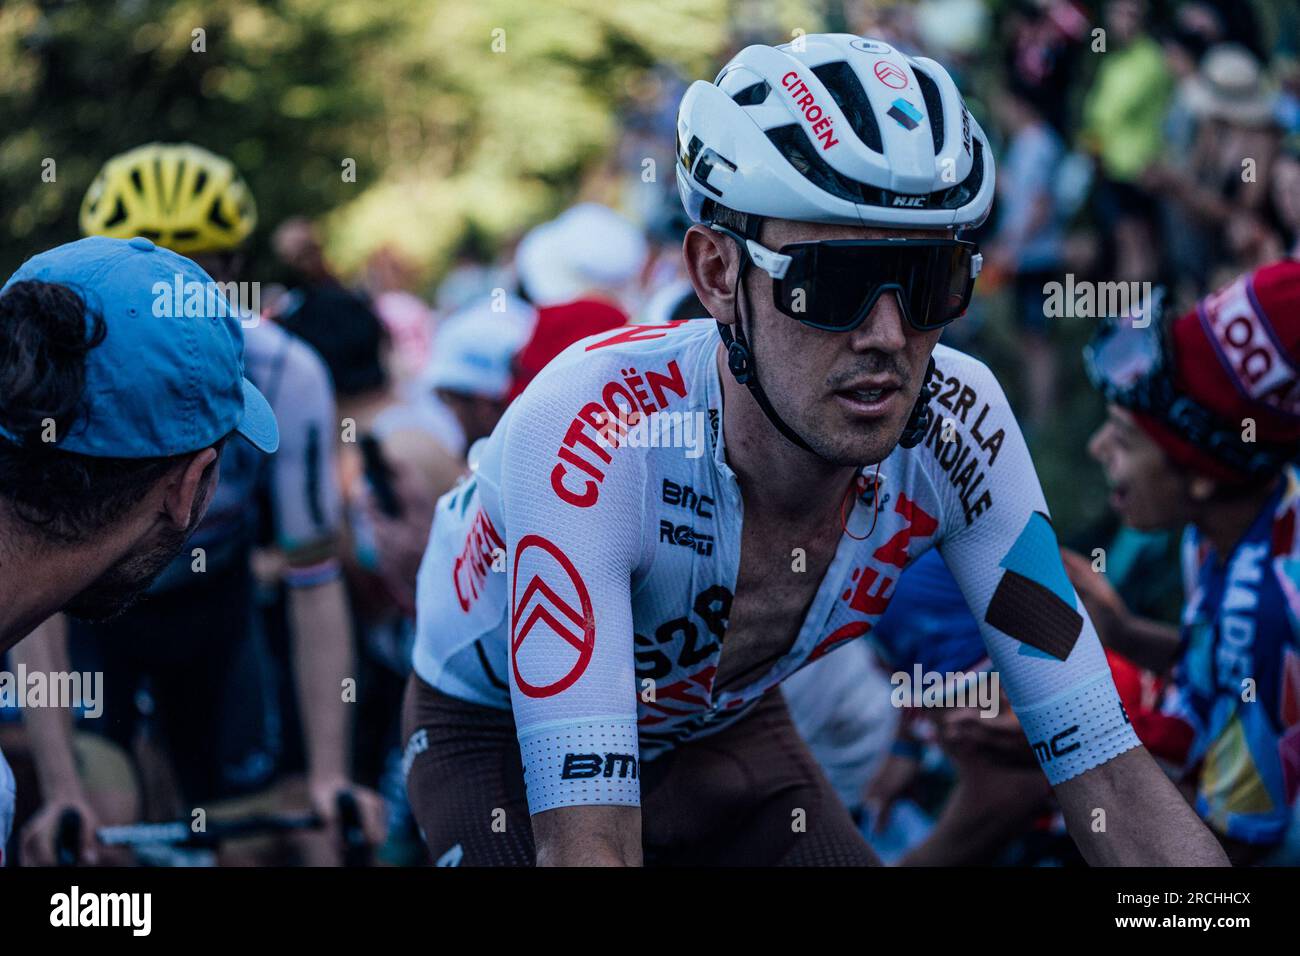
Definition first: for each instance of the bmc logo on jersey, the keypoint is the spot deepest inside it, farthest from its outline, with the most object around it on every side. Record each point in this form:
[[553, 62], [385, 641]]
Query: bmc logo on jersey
[[586, 766], [684, 496], [1056, 745], [552, 624]]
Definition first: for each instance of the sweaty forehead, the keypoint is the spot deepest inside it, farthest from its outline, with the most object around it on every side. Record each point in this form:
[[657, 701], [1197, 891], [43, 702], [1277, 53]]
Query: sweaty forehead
[[778, 232]]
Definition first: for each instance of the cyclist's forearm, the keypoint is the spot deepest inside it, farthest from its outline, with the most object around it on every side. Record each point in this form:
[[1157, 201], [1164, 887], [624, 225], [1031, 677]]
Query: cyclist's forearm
[[1127, 813], [588, 836], [323, 659], [49, 729]]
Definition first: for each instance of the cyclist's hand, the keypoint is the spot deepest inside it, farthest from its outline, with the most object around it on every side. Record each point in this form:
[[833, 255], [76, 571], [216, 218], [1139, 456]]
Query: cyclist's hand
[[324, 796], [39, 834], [1105, 607], [973, 738], [892, 781]]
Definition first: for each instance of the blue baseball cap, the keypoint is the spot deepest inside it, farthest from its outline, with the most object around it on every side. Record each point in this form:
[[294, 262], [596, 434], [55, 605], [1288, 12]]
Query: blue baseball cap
[[162, 382]]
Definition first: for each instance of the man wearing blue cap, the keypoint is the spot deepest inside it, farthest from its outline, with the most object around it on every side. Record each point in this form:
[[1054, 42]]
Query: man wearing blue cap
[[113, 413]]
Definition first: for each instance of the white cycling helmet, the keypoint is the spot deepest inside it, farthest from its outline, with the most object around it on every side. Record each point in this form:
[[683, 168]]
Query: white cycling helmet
[[845, 130]]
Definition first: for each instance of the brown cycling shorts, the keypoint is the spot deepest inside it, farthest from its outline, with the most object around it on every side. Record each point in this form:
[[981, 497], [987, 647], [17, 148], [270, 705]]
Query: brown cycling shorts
[[749, 795]]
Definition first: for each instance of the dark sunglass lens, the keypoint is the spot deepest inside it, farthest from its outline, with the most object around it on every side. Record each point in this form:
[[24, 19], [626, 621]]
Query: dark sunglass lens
[[958, 284]]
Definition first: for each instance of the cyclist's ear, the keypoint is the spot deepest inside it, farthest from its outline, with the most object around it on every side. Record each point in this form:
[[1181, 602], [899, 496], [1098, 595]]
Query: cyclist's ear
[[190, 487], [712, 260]]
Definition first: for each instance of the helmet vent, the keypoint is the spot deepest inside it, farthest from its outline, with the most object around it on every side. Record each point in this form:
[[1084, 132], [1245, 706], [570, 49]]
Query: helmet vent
[[687, 156], [844, 87], [753, 95], [118, 216], [792, 142], [933, 107], [708, 159], [214, 214]]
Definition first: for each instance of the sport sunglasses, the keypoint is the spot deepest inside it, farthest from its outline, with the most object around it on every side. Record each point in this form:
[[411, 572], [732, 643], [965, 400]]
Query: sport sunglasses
[[834, 284]]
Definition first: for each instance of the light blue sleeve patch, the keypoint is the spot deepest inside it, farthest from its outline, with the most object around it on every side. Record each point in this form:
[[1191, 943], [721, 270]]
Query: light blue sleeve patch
[[1036, 556]]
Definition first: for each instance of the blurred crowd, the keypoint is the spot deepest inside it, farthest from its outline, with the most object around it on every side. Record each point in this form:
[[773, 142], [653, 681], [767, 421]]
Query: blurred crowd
[[1135, 142]]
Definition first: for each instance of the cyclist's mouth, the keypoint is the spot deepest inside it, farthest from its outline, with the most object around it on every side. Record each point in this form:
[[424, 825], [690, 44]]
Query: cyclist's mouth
[[869, 402]]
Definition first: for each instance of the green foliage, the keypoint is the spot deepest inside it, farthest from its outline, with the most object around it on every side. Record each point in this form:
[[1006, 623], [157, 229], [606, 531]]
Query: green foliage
[[458, 115], [463, 117], [82, 82]]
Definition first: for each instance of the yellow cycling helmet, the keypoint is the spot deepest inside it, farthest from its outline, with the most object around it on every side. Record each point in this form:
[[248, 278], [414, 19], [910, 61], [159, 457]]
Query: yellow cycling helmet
[[181, 196]]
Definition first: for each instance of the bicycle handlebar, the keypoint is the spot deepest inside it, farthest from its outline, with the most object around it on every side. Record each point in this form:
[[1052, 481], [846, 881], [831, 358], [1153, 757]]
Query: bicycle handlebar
[[179, 833]]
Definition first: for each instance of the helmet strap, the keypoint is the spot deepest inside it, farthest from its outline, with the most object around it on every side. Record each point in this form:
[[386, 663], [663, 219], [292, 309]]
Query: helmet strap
[[741, 361], [918, 423]]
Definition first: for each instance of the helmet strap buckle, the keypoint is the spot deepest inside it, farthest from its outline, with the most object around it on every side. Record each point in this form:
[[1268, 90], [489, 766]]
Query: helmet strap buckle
[[739, 362]]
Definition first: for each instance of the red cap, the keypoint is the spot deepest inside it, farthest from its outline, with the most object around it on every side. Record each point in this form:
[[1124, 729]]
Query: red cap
[[1238, 354], [558, 327]]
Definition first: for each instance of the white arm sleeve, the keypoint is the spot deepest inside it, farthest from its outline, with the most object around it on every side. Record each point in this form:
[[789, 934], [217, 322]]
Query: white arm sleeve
[[1005, 557], [573, 514]]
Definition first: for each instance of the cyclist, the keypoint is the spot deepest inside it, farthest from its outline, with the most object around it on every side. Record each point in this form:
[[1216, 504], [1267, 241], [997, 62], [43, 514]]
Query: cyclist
[[1202, 431], [194, 643], [110, 432], [666, 570]]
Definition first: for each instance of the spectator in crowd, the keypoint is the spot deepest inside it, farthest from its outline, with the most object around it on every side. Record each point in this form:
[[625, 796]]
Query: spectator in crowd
[[1122, 117], [1223, 193], [1174, 452], [665, 294], [1286, 198], [216, 700], [1044, 42], [1029, 243], [337, 323], [111, 434], [408, 320], [996, 787], [587, 252], [472, 274]]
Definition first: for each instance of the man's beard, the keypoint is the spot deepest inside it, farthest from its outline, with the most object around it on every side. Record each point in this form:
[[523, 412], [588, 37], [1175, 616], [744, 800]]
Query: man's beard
[[863, 446], [126, 581]]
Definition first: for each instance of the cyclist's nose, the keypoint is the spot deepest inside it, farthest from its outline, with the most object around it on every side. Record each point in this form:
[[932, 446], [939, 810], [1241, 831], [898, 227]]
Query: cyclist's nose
[[1097, 444], [884, 328]]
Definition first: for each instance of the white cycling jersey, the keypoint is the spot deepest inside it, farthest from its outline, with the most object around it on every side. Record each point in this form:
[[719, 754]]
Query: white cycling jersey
[[583, 576]]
